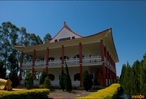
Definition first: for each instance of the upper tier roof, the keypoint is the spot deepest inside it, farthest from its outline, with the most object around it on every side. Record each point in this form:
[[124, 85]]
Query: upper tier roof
[[65, 34]]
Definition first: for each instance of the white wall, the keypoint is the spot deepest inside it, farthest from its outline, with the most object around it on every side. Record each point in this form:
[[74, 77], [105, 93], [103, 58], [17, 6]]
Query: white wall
[[65, 33]]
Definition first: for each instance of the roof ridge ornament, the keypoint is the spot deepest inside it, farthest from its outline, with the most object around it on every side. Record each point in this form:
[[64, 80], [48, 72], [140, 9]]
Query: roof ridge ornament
[[64, 23]]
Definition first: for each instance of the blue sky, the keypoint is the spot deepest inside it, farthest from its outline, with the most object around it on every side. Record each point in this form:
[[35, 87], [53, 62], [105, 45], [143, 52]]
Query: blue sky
[[127, 20]]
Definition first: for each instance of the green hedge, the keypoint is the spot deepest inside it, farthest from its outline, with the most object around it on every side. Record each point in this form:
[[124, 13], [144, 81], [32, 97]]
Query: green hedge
[[25, 94], [110, 92]]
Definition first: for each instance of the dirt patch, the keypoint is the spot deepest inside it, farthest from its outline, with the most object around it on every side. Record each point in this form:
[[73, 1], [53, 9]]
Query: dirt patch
[[59, 94]]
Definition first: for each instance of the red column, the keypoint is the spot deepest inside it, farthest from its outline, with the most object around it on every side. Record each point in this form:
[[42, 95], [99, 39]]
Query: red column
[[111, 71], [106, 67], [115, 72], [62, 56], [81, 68], [21, 61], [33, 63], [47, 56], [103, 65], [109, 75]]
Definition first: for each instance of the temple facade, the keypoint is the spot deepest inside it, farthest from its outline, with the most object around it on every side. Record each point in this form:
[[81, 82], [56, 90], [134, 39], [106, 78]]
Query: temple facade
[[96, 53]]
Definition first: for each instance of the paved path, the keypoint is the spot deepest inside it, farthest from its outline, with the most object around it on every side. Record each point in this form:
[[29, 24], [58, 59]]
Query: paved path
[[59, 94]]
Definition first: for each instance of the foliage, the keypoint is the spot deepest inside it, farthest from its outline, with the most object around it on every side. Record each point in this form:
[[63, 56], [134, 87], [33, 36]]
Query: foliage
[[62, 79], [28, 80], [135, 78], [132, 78], [25, 94], [142, 76], [107, 93], [2, 70], [117, 79], [14, 78], [127, 83], [42, 77], [68, 83], [47, 38], [12, 62], [87, 81], [11, 35], [47, 83]]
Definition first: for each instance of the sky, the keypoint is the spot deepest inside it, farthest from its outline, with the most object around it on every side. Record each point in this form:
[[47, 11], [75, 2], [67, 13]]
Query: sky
[[126, 18]]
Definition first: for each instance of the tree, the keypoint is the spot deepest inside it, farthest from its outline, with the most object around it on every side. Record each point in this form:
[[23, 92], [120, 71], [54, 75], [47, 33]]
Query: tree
[[8, 37], [42, 77], [87, 81], [68, 83], [117, 79], [142, 76], [2, 70], [62, 79], [12, 62], [28, 80], [135, 78], [47, 83], [127, 80], [14, 78], [122, 76], [47, 38]]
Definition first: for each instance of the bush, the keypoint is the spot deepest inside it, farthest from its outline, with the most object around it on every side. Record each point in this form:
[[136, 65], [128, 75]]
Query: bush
[[28, 80], [47, 83], [14, 78], [42, 77], [107, 93], [62, 79], [68, 83], [87, 81], [41, 86], [25, 94]]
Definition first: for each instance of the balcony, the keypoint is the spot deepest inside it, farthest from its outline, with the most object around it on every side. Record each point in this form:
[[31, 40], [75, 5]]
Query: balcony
[[72, 62], [53, 83]]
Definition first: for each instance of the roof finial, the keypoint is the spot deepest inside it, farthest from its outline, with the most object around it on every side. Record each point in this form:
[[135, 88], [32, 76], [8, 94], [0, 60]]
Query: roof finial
[[64, 23]]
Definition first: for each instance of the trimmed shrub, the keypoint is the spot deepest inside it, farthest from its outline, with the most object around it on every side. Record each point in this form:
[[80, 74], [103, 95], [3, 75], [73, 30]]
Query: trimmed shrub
[[62, 79], [25, 94], [42, 77], [47, 83], [14, 78], [68, 83], [87, 81], [41, 86], [28, 81], [106, 93]]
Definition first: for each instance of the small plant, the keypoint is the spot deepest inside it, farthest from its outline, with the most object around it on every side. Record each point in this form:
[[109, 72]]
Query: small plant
[[14, 78], [42, 77], [47, 83], [28, 80], [41, 86], [62, 79], [87, 81], [68, 83]]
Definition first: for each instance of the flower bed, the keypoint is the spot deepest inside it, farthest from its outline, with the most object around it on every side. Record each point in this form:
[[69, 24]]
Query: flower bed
[[106, 93], [25, 94]]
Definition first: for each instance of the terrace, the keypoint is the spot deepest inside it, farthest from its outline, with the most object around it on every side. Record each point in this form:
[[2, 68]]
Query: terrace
[[72, 62]]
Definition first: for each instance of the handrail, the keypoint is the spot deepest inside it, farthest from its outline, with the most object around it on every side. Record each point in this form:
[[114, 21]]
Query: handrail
[[73, 61]]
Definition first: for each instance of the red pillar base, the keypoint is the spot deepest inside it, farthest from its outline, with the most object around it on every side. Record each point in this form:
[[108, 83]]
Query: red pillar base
[[81, 72]]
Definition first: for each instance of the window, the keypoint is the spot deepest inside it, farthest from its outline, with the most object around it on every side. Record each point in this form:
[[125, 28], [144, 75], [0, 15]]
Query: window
[[64, 39], [56, 40], [65, 57], [73, 37], [51, 77], [77, 77]]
